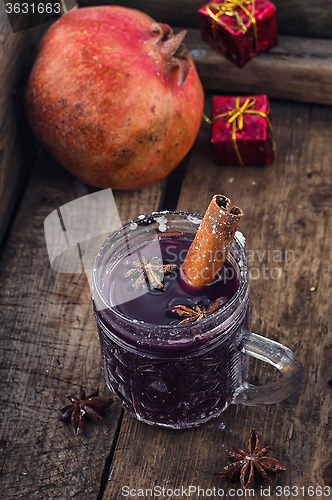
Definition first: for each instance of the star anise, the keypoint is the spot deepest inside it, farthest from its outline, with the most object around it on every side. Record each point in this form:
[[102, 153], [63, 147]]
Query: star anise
[[83, 406], [149, 271], [247, 466], [196, 313]]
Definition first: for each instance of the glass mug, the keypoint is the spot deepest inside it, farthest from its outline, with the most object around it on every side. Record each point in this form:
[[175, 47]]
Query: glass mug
[[180, 376]]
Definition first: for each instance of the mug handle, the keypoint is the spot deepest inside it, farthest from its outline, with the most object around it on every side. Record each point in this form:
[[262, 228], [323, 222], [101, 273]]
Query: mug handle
[[281, 358]]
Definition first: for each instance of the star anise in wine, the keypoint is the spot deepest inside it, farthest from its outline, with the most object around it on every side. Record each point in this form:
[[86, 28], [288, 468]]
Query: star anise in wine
[[150, 271], [82, 407], [248, 465], [196, 313]]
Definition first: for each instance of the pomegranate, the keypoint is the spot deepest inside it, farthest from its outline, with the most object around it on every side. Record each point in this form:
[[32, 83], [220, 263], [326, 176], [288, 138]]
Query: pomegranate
[[114, 97]]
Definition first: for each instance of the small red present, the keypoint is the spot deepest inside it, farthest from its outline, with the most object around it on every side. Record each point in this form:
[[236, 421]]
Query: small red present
[[239, 29], [242, 130]]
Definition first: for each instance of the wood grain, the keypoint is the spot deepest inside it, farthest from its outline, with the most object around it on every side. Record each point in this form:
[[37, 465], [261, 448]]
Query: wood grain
[[304, 18], [287, 209], [17, 146], [49, 347], [295, 17], [299, 69]]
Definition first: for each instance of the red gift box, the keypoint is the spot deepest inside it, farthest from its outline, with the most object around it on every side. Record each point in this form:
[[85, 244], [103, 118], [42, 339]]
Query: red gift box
[[242, 130], [239, 29]]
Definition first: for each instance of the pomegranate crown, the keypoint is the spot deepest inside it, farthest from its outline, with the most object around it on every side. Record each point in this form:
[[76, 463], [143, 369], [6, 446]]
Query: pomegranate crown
[[172, 49]]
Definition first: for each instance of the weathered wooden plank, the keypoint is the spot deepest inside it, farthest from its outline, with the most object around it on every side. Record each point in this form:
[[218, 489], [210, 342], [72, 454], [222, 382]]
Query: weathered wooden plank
[[49, 346], [287, 209], [304, 18], [298, 69], [131, 204], [17, 147], [295, 17]]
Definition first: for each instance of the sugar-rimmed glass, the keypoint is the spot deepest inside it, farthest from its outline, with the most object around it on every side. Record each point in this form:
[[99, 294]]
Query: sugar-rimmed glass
[[182, 376]]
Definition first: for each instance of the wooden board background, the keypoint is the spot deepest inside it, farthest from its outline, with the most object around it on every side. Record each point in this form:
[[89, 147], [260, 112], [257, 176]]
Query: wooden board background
[[49, 342], [17, 146], [298, 69], [295, 17]]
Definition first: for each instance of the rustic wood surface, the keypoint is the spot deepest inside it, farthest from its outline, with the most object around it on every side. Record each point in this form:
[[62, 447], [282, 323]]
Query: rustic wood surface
[[304, 18], [17, 147], [49, 340], [295, 17], [298, 69], [49, 347]]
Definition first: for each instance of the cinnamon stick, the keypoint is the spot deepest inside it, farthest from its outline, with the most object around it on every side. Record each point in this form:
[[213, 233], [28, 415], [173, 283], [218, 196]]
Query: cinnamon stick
[[213, 240]]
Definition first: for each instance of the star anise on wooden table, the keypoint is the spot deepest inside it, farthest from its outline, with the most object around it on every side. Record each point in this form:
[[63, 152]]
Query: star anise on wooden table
[[196, 313], [82, 407], [248, 465], [149, 271]]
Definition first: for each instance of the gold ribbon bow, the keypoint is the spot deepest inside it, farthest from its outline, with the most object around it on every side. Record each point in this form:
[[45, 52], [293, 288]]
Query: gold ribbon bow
[[236, 116], [228, 8]]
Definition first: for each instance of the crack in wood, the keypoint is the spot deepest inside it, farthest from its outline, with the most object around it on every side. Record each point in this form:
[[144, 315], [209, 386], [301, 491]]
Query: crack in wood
[[109, 459]]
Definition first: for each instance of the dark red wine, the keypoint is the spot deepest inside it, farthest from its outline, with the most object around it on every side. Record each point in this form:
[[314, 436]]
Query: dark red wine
[[152, 305], [163, 374]]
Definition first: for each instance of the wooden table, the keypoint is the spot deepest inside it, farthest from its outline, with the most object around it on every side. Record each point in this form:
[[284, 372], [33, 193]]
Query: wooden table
[[49, 342]]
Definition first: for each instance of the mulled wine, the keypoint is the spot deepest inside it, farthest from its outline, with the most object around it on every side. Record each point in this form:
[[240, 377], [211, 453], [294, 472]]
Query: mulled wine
[[164, 370], [155, 305]]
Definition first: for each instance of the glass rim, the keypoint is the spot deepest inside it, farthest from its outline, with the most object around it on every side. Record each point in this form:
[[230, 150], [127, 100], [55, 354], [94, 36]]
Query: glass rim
[[221, 311]]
